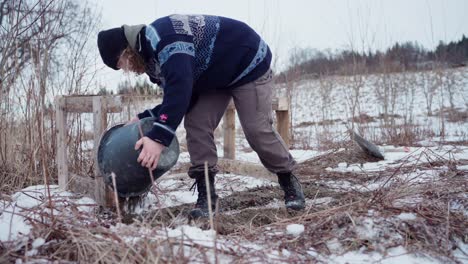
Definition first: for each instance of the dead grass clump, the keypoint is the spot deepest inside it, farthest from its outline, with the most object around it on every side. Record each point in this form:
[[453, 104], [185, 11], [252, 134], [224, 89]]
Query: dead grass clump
[[363, 118], [351, 154], [457, 116], [318, 123], [405, 134]]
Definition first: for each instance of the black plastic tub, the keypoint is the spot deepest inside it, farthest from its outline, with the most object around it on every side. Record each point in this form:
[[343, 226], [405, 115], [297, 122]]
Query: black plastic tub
[[117, 154]]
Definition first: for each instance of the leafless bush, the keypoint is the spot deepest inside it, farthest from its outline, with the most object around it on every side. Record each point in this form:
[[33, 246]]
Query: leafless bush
[[44, 52], [429, 86]]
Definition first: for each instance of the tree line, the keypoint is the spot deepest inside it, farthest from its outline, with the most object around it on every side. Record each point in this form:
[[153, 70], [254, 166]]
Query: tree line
[[406, 56]]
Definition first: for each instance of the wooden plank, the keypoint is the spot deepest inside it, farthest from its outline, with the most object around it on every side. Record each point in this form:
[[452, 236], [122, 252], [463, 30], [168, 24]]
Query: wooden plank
[[114, 104], [226, 166], [245, 168], [277, 104], [140, 98], [229, 127], [282, 124], [100, 124], [280, 104], [61, 133], [84, 104]]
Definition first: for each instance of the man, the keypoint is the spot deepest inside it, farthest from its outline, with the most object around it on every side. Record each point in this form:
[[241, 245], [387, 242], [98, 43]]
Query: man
[[202, 62]]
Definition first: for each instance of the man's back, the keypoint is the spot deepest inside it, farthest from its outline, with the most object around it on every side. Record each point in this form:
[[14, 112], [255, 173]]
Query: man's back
[[226, 52]]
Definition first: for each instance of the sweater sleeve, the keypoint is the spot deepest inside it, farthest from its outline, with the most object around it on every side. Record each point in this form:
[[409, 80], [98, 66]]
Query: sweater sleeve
[[177, 66], [149, 112]]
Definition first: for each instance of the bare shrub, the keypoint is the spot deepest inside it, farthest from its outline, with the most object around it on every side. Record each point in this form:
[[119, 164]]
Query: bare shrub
[[44, 52]]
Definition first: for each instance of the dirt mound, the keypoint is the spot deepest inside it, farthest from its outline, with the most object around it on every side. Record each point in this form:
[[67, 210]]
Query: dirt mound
[[317, 165]]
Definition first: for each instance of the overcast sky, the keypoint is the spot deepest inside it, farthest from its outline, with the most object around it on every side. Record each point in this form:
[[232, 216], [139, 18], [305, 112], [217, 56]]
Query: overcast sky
[[325, 24]]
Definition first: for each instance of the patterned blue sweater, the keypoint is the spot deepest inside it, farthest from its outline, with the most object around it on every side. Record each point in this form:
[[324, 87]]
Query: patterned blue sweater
[[190, 54]]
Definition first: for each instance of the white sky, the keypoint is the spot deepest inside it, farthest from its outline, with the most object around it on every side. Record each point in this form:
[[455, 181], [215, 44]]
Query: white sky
[[325, 24]]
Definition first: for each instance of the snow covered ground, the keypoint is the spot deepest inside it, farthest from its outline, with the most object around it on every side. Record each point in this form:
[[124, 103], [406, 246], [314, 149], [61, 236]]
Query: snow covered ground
[[27, 207], [25, 214]]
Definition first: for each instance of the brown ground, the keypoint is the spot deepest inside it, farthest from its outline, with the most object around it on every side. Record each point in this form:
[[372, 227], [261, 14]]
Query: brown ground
[[243, 210]]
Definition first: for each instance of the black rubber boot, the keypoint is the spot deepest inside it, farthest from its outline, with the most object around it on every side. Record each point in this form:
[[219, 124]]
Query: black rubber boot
[[293, 195], [201, 207]]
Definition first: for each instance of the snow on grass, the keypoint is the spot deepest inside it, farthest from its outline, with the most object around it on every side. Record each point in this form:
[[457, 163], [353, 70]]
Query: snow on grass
[[395, 156], [299, 155], [333, 101], [14, 219], [407, 216], [13, 224], [461, 253], [366, 229], [173, 192], [295, 229], [393, 255], [192, 233]]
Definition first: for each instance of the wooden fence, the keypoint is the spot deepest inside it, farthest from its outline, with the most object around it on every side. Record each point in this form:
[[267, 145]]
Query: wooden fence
[[100, 106]]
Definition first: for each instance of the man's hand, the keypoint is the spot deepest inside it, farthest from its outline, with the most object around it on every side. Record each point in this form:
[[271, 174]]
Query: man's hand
[[149, 156], [133, 120]]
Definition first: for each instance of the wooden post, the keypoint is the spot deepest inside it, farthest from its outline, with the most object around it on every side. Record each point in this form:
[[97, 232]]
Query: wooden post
[[229, 127], [282, 120], [128, 112], [100, 124], [281, 107], [61, 130]]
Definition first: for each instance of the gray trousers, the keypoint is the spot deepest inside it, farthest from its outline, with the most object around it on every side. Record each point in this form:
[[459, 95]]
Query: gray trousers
[[253, 106]]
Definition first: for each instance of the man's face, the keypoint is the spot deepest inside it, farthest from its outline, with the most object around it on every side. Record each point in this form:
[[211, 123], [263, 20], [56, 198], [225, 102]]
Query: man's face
[[126, 63]]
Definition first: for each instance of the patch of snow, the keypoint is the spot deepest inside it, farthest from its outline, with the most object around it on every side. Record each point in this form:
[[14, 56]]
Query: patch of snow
[[31, 253], [285, 252], [400, 255], [28, 204], [410, 201], [13, 224], [334, 246], [184, 157], [176, 192], [365, 229], [393, 255], [32, 196], [312, 252], [407, 216], [319, 201], [194, 234], [342, 165], [38, 242], [395, 156], [295, 229], [86, 205], [461, 253], [175, 198], [459, 206]]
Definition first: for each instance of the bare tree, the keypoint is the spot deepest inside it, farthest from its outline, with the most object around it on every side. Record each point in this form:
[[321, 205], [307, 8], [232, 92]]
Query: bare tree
[[45, 50]]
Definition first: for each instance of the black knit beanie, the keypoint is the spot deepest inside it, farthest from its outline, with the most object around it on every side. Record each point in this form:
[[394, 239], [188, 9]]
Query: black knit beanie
[[111, 43]]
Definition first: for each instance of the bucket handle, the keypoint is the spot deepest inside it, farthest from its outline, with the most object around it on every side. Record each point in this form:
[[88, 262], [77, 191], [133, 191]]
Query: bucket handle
[[151, 113]]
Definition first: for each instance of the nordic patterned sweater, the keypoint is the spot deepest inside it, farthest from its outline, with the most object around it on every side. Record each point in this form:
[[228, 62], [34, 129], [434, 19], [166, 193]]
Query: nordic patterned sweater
[[190, 54]]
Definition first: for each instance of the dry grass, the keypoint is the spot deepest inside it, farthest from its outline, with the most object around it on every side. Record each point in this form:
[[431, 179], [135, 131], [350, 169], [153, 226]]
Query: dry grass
[[335, 212], [77, 236]]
